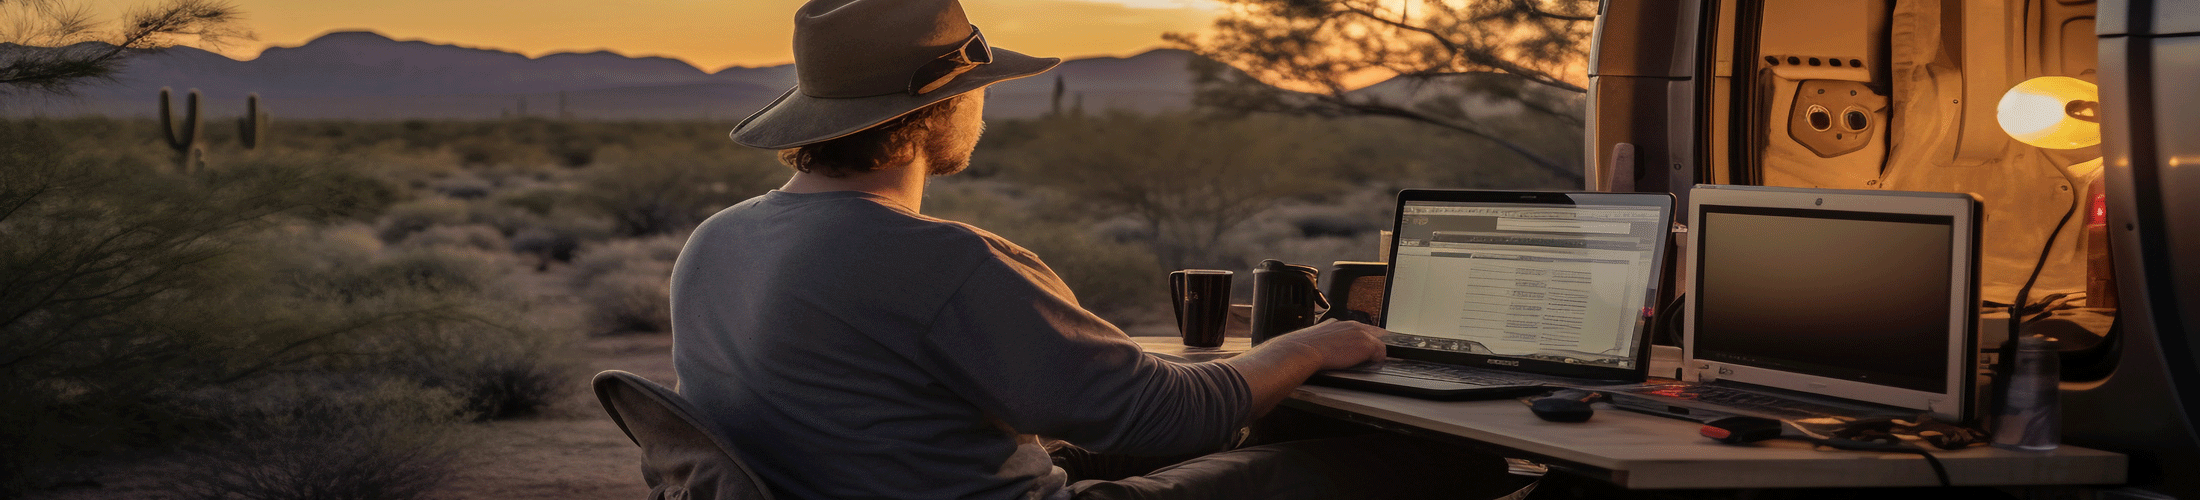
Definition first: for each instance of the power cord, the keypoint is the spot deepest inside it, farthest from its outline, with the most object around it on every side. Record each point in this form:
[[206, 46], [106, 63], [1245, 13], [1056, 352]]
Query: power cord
[[1939, 470], [1855, 436], [2016, 309], [1665, 324]]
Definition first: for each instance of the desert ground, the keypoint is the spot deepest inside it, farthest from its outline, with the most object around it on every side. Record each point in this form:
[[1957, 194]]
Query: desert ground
[[573, 450]]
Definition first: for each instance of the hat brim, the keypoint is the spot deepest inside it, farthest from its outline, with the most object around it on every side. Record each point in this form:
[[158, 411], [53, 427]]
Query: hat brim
[[796, 120]]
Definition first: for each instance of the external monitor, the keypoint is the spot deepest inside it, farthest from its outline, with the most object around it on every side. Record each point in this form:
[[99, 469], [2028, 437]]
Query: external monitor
[[1863, 295]]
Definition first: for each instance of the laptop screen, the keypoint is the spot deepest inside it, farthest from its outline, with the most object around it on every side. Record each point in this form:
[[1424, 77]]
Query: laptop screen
[[1858, 296], [1564, 283]]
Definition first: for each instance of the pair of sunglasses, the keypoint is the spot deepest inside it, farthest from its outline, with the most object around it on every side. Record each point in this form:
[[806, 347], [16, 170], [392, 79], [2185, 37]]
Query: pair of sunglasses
[[939, 71]]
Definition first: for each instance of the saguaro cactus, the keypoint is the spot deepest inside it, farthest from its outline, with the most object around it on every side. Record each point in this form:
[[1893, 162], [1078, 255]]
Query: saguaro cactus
[[252, 127], [1059, 88], [183, 137]]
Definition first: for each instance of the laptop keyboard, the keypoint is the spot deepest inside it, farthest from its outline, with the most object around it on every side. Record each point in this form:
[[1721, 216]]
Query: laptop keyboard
[[1734, 398], [1447, 373]]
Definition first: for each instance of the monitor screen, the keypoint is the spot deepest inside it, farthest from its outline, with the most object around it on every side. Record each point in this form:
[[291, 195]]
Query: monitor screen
[[1852, 296], [1548, 282]]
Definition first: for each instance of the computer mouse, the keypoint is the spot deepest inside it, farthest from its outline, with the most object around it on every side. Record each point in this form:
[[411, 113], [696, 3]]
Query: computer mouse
[[1570, 406], [1740, 430]]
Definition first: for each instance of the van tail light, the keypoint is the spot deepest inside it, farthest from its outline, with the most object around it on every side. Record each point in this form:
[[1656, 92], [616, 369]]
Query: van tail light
[[2100, 268]]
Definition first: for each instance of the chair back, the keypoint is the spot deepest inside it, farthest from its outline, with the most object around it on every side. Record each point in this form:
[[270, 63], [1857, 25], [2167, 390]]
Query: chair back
[[683, 458]]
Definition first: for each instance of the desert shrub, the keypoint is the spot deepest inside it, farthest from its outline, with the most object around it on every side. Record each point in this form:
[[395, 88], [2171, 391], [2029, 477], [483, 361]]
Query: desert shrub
[[539, 201], [447, 318], [1315, 234], [558, 236], [618, 255], [343, 438], [500, 385], [322, 188], [469, 236], [183, 293], [440, 271], [464, 187], [313, 257], [1399, 153], [506, 219], [1191, 179], [627, 283], [546, 245], [495, 366], [631, 300], [483, 150], [411, 217], [119, 279], [660, 192]]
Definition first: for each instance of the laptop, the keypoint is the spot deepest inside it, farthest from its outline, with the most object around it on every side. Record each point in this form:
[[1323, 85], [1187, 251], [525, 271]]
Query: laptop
[[1811, 302], [1495, 294]]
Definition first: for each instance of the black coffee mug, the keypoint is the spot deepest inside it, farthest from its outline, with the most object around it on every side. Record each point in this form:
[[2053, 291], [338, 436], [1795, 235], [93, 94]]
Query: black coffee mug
[[1284, 299], [1202, 301]]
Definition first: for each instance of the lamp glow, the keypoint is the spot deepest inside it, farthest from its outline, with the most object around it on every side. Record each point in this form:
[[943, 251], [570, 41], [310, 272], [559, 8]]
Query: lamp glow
[[2055, 112]]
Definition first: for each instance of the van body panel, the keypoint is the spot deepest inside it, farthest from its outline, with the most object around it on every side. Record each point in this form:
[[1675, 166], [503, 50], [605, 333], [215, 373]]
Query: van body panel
[[1940, 66]]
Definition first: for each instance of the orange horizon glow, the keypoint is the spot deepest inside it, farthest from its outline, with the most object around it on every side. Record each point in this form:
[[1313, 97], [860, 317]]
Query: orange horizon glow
[[708, 34]]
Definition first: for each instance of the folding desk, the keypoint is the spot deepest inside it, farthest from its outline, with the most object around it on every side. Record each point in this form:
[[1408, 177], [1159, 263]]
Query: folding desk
[[1640, 451]]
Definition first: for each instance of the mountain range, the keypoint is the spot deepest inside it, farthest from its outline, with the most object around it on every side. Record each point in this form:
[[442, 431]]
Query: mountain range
[[365, 75]]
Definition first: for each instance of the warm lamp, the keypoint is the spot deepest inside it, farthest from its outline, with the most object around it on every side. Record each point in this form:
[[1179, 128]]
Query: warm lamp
[[2055, 112]]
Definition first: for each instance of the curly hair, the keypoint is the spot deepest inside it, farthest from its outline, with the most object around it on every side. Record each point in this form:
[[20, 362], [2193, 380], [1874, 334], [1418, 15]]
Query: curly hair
[[893, 142]]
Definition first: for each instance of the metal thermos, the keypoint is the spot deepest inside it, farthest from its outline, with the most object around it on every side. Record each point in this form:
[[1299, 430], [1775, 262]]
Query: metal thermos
[[1284, 299], [2030, 416]]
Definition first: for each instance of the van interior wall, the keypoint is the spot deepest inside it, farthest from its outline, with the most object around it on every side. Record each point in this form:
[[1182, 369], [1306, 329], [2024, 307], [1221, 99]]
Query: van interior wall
[[1933, 72]]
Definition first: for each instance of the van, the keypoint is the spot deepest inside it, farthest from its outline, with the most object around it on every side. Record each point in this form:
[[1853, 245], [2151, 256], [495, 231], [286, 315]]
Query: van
[[2092, 240]]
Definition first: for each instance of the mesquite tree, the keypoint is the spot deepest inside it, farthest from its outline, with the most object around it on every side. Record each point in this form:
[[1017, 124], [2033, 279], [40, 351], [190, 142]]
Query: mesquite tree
[[1527, 53]]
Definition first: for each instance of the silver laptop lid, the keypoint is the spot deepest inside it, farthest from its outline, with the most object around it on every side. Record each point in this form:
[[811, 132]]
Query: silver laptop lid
[[1543, 282], [1863, 295]]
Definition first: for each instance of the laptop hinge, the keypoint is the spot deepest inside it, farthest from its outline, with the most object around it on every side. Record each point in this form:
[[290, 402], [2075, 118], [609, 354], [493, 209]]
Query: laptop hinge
[[1710, 372]]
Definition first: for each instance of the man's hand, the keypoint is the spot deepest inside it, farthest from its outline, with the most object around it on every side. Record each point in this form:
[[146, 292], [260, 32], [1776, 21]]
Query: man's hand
[[1279, 365], [1341, 344]]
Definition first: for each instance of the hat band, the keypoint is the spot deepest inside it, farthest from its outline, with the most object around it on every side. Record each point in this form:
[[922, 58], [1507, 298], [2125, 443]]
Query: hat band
[[936, 73]]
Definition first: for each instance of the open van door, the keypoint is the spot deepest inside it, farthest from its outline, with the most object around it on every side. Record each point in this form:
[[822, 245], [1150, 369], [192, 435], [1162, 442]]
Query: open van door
[[1912, 95], [2149, 405]]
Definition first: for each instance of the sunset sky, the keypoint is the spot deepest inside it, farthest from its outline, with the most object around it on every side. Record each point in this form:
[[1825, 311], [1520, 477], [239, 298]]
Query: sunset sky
[[710, 34]]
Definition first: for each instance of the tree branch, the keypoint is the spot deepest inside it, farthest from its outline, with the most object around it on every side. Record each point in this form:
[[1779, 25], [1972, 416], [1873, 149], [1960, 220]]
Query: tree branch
[[65, 61], [1475, 55], [1529, 7], [1546, 163]]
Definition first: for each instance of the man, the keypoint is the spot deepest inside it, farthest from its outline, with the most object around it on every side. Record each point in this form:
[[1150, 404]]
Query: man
[[854, 348]]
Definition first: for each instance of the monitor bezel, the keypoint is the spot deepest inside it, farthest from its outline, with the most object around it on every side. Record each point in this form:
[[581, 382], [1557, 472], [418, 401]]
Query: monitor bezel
[[1663, 202], [1955, 402]]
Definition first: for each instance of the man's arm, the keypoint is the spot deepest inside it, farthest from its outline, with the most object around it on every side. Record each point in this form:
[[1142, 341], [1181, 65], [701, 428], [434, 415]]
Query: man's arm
[[1279, 365]]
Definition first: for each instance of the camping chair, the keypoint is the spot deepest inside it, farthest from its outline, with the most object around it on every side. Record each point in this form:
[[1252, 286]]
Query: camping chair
[[682, 458]]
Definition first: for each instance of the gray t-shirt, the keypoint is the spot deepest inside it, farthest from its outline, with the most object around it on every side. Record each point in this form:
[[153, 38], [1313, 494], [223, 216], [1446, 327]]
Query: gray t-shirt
[[852, 349]]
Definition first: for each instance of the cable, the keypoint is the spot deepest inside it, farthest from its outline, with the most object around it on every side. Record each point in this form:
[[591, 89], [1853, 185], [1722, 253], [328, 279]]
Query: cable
[[1738, 430], [2016, 309], [1666, 323], [1939, 470]]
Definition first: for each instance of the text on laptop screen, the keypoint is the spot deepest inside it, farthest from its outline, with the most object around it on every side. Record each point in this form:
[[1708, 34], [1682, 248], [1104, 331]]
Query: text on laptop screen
[[1556, 283], [1846, 295]]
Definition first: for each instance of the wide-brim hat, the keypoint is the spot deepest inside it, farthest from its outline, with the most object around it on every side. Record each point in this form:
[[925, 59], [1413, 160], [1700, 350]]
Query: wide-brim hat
[[859, 63]]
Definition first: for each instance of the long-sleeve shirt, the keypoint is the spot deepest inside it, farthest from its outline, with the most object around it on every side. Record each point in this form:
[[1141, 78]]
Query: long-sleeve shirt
[[851, 348]]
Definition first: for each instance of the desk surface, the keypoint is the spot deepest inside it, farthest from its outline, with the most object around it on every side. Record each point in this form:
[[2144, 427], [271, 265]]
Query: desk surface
[[1641, 451]]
